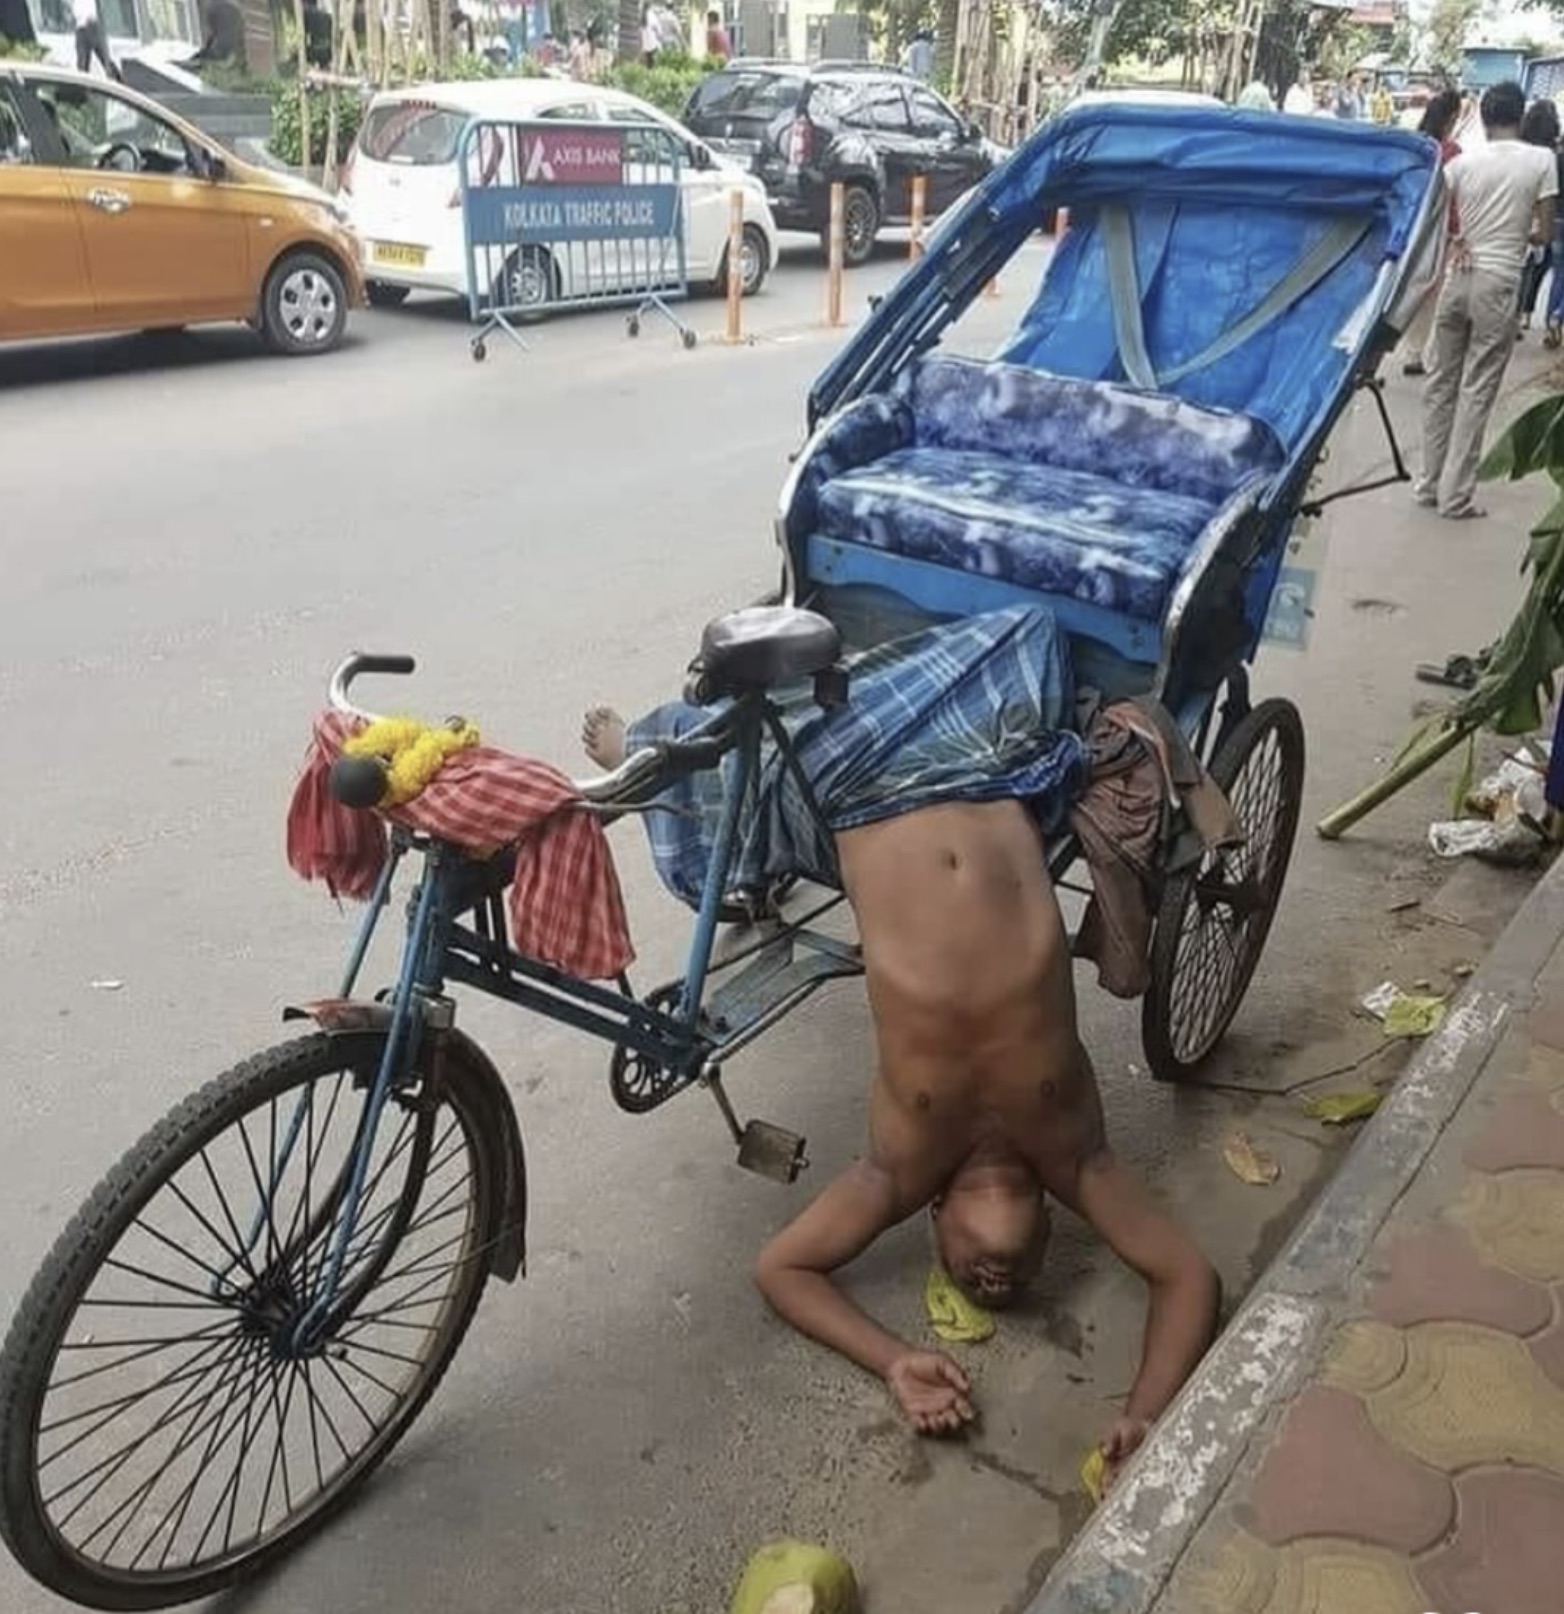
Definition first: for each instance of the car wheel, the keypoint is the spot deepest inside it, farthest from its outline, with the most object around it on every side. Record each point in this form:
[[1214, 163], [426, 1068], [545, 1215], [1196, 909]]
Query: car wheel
[[528, 283], [382, 294], [860, 225], [754, 263], [304, 308]]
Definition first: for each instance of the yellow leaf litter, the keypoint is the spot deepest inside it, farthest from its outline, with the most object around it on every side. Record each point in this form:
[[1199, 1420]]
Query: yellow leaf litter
[[957, 1320]]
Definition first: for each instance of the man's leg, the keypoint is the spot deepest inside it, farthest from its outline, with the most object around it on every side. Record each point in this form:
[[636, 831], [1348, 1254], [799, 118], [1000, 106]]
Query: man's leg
[[1491, 308], [1446, 357]]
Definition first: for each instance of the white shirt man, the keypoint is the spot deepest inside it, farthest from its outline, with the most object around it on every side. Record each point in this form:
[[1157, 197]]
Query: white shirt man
[[1299, 99], [1504, 196]]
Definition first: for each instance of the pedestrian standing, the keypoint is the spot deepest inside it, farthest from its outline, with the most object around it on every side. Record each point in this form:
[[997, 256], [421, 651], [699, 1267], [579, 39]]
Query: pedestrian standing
[[1383, 106], [1299, 98], [1540, 127], [91, 41], [1504, 196], [920, 56], [1256, 97], [1438, 123], [719, 48]]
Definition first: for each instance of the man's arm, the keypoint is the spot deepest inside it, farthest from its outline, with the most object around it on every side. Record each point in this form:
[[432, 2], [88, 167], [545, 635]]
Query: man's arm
[[1185, 1296], [1545, 217], [793, 1273]]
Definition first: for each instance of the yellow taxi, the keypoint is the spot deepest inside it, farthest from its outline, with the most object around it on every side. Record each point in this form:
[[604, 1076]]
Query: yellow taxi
[[116, 215]]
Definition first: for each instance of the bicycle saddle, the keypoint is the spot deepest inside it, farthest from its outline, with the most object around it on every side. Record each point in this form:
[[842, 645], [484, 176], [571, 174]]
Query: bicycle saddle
[[763, 646]]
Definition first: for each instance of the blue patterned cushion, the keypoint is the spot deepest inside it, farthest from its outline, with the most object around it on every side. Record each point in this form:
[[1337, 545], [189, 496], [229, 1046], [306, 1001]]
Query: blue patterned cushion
[[1062, 532], [1137, 439], [1081, 489]]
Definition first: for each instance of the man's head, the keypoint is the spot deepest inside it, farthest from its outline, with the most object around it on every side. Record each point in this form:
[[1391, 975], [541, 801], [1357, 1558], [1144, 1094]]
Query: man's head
[[1502, 107], [991, 1226], [713, 19]]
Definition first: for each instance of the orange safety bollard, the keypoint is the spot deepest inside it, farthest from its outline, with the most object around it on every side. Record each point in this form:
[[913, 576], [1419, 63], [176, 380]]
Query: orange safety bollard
[[920, 191], [735, 266], [836, 255]]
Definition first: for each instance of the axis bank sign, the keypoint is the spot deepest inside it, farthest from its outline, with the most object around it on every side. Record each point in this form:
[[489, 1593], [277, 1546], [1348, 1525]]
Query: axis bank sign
[[573, 156]]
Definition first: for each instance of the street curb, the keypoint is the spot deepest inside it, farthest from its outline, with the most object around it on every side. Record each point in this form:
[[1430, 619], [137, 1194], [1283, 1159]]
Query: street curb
[[1122, 1560]]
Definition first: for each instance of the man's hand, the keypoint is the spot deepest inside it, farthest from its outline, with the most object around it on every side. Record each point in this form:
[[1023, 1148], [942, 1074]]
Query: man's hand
[[1123, 1440], [934, 1394]]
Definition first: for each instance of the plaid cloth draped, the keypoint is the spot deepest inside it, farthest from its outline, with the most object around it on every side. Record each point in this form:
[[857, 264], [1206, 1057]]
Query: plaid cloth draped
[[565, 904], [975, 710]]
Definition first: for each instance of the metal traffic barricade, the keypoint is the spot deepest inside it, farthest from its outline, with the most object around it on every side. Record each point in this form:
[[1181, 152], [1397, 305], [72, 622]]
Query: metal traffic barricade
[[564, 214]]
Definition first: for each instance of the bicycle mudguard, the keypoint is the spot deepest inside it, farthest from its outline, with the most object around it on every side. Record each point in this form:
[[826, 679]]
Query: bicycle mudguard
[[507, 1239]]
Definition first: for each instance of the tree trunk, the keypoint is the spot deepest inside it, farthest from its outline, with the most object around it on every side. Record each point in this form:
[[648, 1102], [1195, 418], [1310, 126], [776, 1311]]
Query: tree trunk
[[629, 31]]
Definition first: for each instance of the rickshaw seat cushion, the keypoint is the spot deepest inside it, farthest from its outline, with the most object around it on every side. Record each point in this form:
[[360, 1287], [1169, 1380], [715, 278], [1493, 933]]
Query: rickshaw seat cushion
[[763, 646], [1060, 532], [1118, 433], [1080, 489]]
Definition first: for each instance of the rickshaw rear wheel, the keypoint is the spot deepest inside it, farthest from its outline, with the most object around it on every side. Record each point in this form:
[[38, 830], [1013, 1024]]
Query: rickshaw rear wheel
[[1214, 918]]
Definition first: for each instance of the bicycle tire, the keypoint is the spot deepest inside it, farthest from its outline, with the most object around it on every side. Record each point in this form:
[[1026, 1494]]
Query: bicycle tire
[[1175, 1050], [85, 1250]]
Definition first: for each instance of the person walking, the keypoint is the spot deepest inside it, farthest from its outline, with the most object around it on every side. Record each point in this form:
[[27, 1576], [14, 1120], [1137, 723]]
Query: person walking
[[1540, 127], [1438, 123], [1504, 196]]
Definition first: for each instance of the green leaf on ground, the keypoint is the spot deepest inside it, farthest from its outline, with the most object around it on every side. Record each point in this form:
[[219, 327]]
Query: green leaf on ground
[[1412, 1016], [1336, 1109]]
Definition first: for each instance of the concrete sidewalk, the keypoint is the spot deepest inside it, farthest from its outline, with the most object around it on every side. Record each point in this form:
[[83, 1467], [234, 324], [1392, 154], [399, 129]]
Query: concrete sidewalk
[[1381, 1427]]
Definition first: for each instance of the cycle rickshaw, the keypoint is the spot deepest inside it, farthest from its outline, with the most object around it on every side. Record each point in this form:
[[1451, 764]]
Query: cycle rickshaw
[[256, 1302]]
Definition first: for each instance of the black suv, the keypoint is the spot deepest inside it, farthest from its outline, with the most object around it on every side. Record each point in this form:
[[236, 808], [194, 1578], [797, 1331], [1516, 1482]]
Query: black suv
[[801, 128]]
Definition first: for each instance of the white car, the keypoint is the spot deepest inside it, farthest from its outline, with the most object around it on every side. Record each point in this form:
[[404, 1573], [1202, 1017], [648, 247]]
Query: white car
[[402, 189]]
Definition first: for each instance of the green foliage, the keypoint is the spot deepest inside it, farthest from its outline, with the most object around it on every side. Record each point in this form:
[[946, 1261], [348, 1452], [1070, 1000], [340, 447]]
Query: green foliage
[[668, 86], [287, 141], [18, 50], [1448, 23]]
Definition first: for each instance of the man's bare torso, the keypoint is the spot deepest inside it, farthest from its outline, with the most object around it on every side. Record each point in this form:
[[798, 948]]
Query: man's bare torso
[[969, 978]]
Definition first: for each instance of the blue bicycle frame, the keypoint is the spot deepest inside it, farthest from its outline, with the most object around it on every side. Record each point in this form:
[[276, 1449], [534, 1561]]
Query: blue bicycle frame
[[456, 934]]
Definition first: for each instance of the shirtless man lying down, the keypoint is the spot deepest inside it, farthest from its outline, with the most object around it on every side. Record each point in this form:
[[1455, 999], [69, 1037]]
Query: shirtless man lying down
[[984, 1103]]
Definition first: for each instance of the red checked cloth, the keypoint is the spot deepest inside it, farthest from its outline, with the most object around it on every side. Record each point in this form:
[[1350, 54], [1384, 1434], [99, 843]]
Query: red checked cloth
[[565, 904]]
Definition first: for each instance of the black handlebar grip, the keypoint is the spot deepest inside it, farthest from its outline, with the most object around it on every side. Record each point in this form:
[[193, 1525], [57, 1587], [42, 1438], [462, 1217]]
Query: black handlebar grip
[[359, 781], [366, 661]]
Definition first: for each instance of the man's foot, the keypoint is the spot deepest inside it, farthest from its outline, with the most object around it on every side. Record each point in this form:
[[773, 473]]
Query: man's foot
[[1465, 512], [603, 736], [1413, 367], [1424, 497]]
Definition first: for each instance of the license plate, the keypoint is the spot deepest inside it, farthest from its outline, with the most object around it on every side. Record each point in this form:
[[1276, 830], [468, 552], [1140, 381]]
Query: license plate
[[395, 252]]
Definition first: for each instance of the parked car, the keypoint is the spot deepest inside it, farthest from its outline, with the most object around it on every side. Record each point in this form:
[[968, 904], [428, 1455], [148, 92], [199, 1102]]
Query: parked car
[[116, 215], [402, 186], [803, 128]]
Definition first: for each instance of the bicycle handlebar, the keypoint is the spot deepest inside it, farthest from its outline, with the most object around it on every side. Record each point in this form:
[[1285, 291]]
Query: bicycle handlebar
[[360, 781], [363, 661]]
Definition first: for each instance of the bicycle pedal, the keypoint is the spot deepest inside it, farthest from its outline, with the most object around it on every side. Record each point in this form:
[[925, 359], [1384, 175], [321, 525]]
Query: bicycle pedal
[[772, 1151]]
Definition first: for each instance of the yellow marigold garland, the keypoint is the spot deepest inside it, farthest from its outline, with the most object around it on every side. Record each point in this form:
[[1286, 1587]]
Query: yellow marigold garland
[[413, 752]]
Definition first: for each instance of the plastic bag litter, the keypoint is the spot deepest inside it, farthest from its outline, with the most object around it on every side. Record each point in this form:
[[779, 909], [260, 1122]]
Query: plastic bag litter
[[1514, 812]]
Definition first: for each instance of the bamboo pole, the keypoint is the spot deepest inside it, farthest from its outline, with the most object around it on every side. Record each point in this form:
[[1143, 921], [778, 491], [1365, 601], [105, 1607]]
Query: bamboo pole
[[305, 152], [1337, 822]]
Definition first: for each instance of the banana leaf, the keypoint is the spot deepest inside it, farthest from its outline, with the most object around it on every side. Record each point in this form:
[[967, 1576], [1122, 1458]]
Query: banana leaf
[[1519, 680]]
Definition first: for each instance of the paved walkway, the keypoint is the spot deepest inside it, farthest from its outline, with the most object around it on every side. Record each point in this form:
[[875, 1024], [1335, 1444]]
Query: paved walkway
[[1422, 1467], [1381, 1430]]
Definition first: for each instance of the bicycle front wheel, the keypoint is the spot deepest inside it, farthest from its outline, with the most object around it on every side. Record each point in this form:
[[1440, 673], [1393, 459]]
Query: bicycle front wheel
[[167, 1422]]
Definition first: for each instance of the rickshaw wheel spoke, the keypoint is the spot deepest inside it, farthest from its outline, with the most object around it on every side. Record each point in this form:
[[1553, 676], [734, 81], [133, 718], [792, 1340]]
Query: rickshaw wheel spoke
[[1214, 919]]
